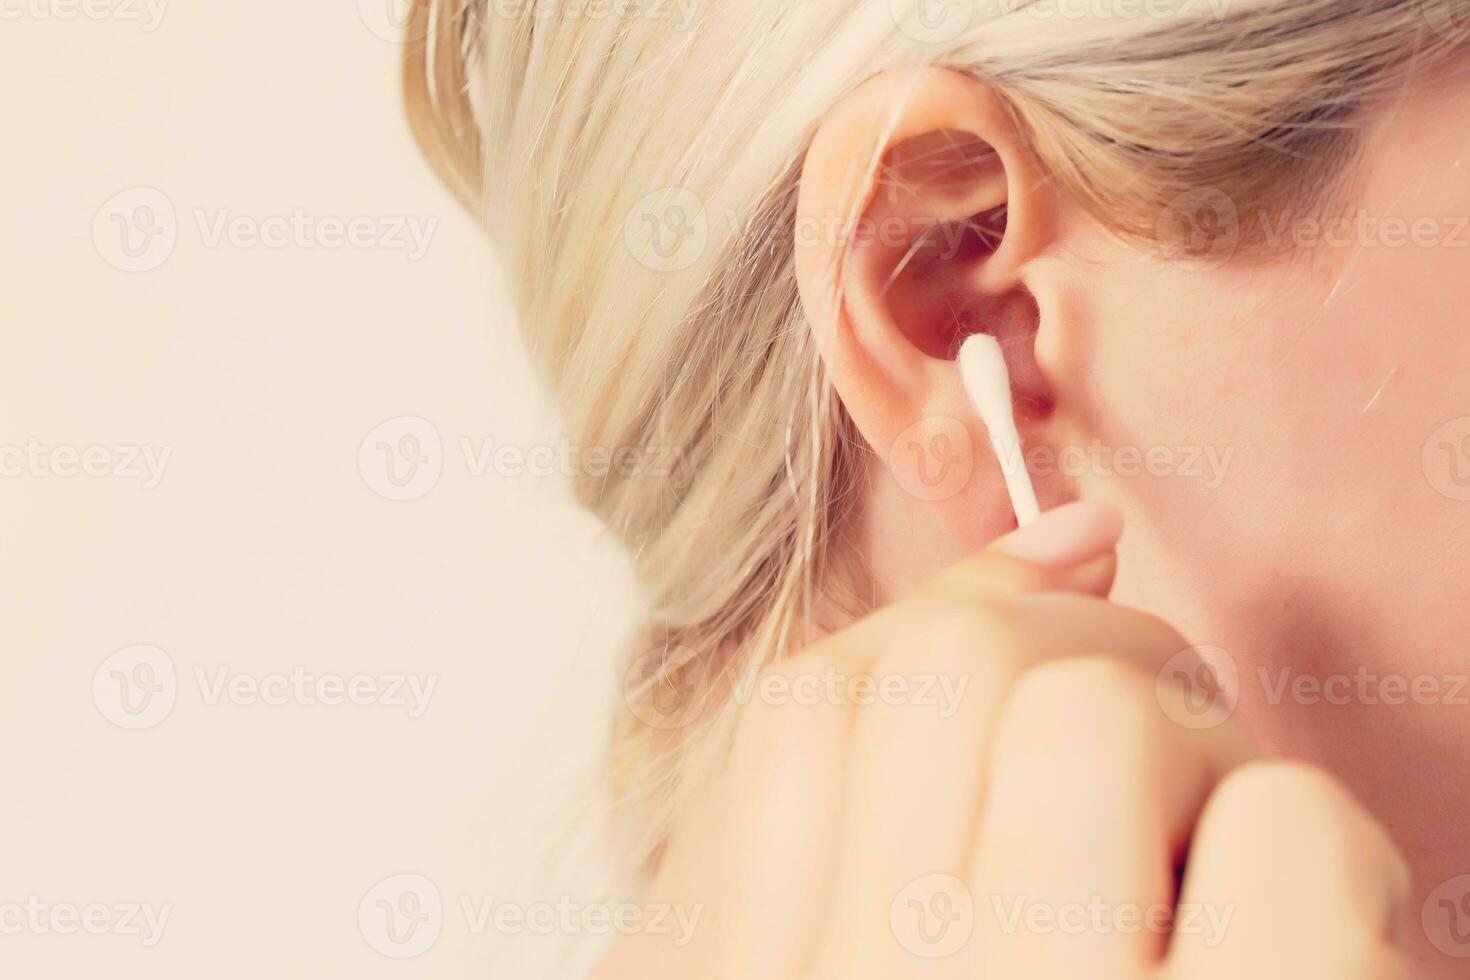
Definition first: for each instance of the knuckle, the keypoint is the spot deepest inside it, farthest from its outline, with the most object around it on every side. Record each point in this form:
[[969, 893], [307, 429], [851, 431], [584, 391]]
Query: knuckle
[[990, 573], [1157, 634], [1092, 685], [772, 728], [797, 764], [950, 637], [769, 766], [781, 749], [1162, 634], [1102, 704], [792, 669]]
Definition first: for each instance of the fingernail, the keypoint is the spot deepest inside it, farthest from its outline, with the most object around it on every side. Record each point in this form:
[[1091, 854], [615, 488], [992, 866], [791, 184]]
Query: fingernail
[[1069, 536]]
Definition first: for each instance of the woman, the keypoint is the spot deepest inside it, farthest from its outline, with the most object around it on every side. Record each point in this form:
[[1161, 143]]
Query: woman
[[1224, 248]]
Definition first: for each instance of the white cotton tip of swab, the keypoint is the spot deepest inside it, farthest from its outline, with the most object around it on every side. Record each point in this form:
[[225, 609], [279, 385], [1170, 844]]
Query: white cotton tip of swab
[[988, 383]]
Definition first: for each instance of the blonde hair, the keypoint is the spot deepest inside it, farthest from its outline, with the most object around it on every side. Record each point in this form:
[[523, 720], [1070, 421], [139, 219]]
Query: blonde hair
[[557, 119]]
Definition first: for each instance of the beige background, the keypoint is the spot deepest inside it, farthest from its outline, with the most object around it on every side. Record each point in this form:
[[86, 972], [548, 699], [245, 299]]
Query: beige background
[[267, 544]]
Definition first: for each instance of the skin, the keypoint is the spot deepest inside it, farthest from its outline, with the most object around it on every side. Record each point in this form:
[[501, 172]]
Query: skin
[[1061, 783], [1329, 545]]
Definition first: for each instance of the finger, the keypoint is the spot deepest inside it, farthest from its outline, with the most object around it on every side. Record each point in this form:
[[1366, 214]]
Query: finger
[[999, 638], [1095, 577], [1070, 548], [1070, 624], [912, 791], [1075, 542], [1093, 793], [919, 762], [767, 829], [1288, 875]]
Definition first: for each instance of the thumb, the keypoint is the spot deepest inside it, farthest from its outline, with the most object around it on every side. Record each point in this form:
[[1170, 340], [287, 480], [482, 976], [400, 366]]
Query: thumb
[[1076, 543]]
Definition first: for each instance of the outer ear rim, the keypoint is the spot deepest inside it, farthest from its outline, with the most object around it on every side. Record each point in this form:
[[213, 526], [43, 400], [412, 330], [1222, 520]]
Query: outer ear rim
[[841, 178]]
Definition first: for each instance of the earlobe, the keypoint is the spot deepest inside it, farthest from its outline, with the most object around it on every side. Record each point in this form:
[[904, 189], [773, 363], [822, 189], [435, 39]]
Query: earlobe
[[943, 208]]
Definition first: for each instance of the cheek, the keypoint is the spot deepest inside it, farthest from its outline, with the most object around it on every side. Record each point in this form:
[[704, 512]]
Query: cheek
[[1186, 376], [1201, 396], [1275, 408], [1289, 405], [1287, 417]]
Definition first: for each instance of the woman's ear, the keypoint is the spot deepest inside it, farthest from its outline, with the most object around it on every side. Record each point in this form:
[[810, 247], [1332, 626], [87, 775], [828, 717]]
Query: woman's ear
[[921, 216]]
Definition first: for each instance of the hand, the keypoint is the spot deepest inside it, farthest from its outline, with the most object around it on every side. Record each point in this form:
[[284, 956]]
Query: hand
[[1030, 824]]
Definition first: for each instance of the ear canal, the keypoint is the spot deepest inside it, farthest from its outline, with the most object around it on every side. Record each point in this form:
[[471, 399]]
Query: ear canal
[[937, 212], [939, 215]]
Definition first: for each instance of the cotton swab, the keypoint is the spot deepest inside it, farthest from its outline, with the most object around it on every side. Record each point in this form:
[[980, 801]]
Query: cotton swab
[[988, 383]]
